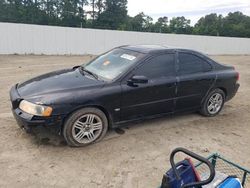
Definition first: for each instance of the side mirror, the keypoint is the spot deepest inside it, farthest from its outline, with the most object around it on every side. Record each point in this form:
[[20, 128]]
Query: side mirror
[[138, 80], [75, 67]]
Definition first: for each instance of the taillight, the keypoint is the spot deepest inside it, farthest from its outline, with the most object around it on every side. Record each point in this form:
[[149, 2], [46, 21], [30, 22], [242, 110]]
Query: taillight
[[237, 76]]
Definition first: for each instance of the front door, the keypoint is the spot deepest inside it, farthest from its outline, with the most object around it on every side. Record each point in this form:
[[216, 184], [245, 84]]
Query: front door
[[154, 97]]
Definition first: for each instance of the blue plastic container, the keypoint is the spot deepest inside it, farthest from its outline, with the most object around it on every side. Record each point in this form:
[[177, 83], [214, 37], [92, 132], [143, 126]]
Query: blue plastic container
[[230, 182]]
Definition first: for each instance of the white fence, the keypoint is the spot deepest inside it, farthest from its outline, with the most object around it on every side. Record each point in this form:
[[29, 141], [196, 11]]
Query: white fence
[[51, 40]]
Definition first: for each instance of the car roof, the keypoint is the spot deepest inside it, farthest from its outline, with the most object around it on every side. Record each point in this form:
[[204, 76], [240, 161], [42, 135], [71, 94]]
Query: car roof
[[153, 49], [150, 48]]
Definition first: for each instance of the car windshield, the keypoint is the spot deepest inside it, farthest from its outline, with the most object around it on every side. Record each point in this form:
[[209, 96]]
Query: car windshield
[[113, 63]]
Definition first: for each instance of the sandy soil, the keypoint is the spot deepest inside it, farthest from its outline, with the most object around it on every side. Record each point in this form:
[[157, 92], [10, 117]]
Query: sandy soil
[[137, 158]]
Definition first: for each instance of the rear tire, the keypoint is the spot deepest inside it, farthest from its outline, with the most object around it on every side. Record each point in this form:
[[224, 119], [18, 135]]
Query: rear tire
[[85, 126], [213, 103]]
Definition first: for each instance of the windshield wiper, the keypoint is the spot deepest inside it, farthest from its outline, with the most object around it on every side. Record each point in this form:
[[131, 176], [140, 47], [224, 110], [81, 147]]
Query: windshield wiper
[[89, 72]]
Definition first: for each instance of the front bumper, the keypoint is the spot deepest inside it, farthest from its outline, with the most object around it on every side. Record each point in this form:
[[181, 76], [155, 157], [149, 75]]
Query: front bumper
[[28, 121], [25, 121]]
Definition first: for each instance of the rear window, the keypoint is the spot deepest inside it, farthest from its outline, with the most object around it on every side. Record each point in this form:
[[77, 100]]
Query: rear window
[[189, 63]]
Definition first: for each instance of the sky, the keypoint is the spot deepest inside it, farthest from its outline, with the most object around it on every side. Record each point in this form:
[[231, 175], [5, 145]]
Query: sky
[[191, 9]]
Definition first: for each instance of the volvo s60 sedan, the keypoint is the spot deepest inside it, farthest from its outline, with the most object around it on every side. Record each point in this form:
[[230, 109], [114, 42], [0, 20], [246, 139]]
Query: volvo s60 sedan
[[125, 84]]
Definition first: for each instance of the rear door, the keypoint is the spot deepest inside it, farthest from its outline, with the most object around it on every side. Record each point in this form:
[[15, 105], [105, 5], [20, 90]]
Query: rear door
[[154, 97], [194, 79]]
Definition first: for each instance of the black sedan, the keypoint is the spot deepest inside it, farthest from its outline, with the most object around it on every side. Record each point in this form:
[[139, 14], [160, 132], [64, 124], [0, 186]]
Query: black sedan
[[125, 84]]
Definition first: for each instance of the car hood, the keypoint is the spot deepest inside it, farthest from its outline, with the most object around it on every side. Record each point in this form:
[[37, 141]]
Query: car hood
[[57, 82]]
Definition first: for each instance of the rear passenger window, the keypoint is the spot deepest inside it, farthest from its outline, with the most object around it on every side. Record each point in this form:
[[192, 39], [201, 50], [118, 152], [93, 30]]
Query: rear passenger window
[[189, 63], [159, 66]]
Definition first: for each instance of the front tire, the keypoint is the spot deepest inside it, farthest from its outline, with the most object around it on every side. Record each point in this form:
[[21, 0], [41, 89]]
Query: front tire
[[85, 126], [213, 103]]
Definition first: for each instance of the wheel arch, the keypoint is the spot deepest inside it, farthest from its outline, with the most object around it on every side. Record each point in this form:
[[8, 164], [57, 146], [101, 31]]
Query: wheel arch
[[223, 89], [203, 109], [212, 89], [104, 110]]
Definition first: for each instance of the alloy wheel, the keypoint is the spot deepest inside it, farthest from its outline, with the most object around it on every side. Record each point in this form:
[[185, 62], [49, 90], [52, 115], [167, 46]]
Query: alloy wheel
[[87, 128], [215, 103]]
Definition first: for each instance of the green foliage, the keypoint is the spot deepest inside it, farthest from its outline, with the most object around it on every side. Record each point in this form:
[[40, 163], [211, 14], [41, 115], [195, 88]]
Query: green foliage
[[180, 25], [140, 22], [112, 14], [209, 25], [236, 24], [233, 25]]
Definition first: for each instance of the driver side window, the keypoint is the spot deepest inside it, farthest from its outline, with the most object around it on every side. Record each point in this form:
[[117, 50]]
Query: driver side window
[[158, 66]]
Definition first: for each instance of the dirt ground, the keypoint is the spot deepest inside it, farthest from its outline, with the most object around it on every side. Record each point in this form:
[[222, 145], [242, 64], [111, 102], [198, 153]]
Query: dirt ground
[[137, 158]]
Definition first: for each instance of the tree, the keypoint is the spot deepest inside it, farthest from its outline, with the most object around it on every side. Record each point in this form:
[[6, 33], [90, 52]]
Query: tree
[[137, 22], [71, 12], [97, 7], [161, 25], [100, 6], [148, 24], [114, 15], [209, 25], [236, 25], [141, 22], [93, 6], [180, 25]]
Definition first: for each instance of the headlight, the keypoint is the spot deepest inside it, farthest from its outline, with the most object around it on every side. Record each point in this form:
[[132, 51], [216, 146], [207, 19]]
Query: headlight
[[35, 109]]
